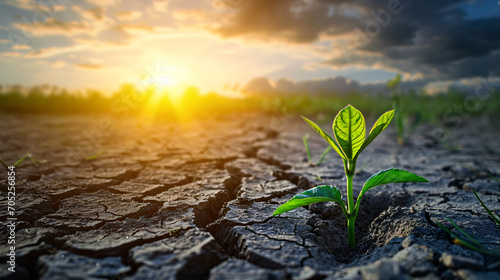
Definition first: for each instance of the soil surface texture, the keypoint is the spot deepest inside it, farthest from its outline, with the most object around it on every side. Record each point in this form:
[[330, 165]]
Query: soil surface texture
[[194, 201]]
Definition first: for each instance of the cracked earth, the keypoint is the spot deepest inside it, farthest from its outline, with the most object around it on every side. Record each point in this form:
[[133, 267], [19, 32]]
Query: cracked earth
[[194, 201]]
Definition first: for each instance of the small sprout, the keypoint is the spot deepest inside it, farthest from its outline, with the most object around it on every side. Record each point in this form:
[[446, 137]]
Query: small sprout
[[323, 155], [307, 149], [468, 241], [21, 160], [493, 216], [309, 158], [95, 156], [349, 131], [403, 115]]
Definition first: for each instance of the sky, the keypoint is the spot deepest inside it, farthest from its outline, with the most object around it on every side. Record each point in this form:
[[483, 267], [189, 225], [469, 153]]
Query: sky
[[230, 46]]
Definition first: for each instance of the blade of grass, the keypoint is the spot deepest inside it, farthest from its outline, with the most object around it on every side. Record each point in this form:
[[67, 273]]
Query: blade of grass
[[363, 166], [323, 155], [34, 160], [96, 155], [461, 241], [400, 127], [494, 178], [415, 123], [307, 148], [495, 218], [470, 238], [478, 247], [21, 160]]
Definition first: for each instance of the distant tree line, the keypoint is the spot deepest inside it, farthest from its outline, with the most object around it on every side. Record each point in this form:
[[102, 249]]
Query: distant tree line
[[55, 100]]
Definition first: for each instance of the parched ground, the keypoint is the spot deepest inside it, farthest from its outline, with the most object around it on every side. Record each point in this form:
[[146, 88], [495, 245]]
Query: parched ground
[[194, 201]]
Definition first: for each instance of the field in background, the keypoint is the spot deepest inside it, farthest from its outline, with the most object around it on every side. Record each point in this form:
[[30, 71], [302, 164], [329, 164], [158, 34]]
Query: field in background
[[128, 101]]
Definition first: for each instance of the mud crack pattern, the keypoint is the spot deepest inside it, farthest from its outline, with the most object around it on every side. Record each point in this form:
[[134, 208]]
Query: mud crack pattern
[[194, 201]]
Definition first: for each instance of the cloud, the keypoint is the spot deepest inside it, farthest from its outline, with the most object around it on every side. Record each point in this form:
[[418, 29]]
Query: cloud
[[90, 66], [136, 28], [436, 39], [53, 51], [197, 14], [21, 47], [21, 4], [290, 21], [334, 85], [11, 54], [93, 14], [104, 2], [128, 15], [50, 7], [58, 64], [54, 27], [160, 6]]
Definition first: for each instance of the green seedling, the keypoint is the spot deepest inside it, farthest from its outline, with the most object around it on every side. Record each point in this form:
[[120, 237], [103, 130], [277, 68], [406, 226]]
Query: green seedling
[[95, 156], [309, 158], [466, 240], [493, 216], [404, 126], [21, 160], [349, 130]]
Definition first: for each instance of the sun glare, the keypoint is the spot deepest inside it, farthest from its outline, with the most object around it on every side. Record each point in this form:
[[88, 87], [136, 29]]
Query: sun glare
[[167, 93], [164, 81]]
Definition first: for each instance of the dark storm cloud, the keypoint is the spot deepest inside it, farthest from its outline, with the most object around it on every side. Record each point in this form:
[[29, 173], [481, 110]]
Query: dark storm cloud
[[437, 39], [291, 21], [338, 85]]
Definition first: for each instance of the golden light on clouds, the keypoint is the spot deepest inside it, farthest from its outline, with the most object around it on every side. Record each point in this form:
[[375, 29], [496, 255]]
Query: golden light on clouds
[[214, 43]]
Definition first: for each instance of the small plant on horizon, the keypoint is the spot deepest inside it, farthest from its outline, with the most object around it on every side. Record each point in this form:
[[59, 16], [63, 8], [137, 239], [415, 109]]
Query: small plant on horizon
[[402, 116], [308, 151], [349, 130]]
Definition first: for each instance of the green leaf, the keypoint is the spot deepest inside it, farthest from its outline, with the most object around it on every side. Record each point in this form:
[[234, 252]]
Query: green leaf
[[317, 194], [349, 129], [326, 136], [394, 82], [391, 175], [377, 128]]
